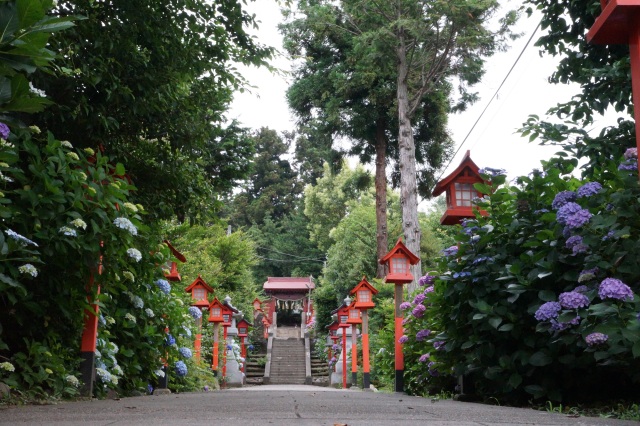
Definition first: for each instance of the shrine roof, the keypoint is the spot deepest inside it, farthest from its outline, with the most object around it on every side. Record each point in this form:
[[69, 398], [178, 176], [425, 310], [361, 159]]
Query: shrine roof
[[289, 283]]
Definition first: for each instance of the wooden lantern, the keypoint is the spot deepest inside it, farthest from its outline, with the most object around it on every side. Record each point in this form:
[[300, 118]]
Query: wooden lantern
[[200, 292], [354, 314], [343, 316], [398, 261], [215, 311], [257, 304], [364, 293], [460, 191], [333, 329], [243, 328]]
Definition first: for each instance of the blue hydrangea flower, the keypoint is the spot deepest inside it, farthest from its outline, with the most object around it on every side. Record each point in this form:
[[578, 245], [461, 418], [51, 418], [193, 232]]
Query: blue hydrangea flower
[[185, 352], [422, 334], [548, 311], [628, 165], [573, 216], [589, 189], [492, 172], [195, 312], [573, 300], [164, 286], [613, 288], [180, 368], [149, 388], [461, 274], [587, 275], [250, 347], [562, 198], [126, 224], [19, 238], [169, 340], [595, 339], [405, 305]]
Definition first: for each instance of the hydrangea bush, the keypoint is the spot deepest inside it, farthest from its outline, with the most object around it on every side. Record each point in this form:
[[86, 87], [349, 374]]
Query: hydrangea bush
[[518, 310]]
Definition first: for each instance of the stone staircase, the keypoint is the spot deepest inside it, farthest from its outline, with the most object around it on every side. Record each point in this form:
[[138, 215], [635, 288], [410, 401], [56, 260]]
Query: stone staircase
[[319, 371], [287, 362], [254, 371]]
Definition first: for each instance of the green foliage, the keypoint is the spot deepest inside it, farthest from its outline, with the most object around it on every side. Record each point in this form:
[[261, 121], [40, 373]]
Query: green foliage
[[522, 256]]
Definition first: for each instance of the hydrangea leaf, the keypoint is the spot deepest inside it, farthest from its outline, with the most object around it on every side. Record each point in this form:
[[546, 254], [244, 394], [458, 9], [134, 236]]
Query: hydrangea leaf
[[540, 359]]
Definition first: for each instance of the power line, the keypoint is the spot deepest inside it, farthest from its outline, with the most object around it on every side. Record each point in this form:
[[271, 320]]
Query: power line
[[492, 98], [289, 260], [290, 255]]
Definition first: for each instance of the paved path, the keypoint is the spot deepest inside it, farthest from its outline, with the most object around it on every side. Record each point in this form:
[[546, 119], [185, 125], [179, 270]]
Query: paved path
[[285, 405]]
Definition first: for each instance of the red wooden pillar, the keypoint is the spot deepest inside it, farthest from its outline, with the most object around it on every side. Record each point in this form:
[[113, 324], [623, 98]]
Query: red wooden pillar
[[354, 355], [216, 338], [89, 339], [399, 356], [619, 23], [224, 353], [344, 358]]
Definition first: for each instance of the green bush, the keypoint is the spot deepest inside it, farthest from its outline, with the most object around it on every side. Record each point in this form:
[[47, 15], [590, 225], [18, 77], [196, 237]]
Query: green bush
[[520, 296]]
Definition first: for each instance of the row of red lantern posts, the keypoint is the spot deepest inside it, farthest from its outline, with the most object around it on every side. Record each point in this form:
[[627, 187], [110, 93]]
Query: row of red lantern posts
[[351, 313], [220, 314]]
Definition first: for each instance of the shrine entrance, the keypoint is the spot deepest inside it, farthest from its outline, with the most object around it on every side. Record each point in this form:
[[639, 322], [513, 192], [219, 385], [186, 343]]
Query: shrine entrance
[[289, 300]]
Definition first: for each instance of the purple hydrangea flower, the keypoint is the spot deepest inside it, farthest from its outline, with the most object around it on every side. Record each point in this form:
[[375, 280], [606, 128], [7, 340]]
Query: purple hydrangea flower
[[541, 211], [418, 299], [424, 358], [589, 189], [595, 339], [548, 311], [631, 153], [438, 345], [573, 300], [609, 236], [573, 241], [403, 339], [613, 288], [432, 369], [406, 320], [405, 305], [573, 216], [428, 290], [562, 198], [180, 368], [149, 388], [426, 280], [4, 131], [581, 289], [628, 165], [422, 334], [451, 251], [418, 311]]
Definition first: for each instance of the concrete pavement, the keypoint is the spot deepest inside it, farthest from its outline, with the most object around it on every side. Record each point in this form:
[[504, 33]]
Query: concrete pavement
[[286, 405]]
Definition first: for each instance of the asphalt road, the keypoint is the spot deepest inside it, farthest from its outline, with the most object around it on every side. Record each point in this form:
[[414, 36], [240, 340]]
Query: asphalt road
[[285, 405]]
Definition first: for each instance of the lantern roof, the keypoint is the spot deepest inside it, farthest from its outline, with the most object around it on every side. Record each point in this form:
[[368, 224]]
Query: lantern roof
[[243, 323], [175, 252], [289, 283], [230, 307], [364, 285], [333, 326], [215, 303], [257, 302], [400, 248], [467, 167], [198, 282], [615, 23]]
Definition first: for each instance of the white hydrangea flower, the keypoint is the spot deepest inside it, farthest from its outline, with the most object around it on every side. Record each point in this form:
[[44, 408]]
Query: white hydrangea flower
[[73, 156], [28, 269], [135, 254], [131, 207], [130, 317], [66, 144], [159, 373], [79, 223], [149, 313], [65, 230], [7, 366], [124, 223], [72, 380]]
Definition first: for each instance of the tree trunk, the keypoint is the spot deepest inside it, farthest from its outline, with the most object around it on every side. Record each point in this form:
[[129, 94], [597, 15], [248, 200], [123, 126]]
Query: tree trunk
[[381, 196], [407, 163]]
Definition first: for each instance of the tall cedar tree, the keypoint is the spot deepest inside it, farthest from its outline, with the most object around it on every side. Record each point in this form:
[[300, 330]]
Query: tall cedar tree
[[340, 95]]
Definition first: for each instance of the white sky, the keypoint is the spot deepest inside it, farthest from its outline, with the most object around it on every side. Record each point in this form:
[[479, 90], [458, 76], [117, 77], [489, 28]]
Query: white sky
[[493, 142]]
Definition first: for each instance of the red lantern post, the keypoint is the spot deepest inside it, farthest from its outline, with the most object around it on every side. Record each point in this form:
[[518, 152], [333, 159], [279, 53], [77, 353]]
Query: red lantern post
[[215, 316], [199, 291], [398, 262], [343, 316], [243, 332], [364, 293], [618, 24], [354, 319]]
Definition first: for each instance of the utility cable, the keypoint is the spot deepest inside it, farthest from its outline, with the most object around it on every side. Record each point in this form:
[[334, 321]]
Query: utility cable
[[290, 255], [491, 100]]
